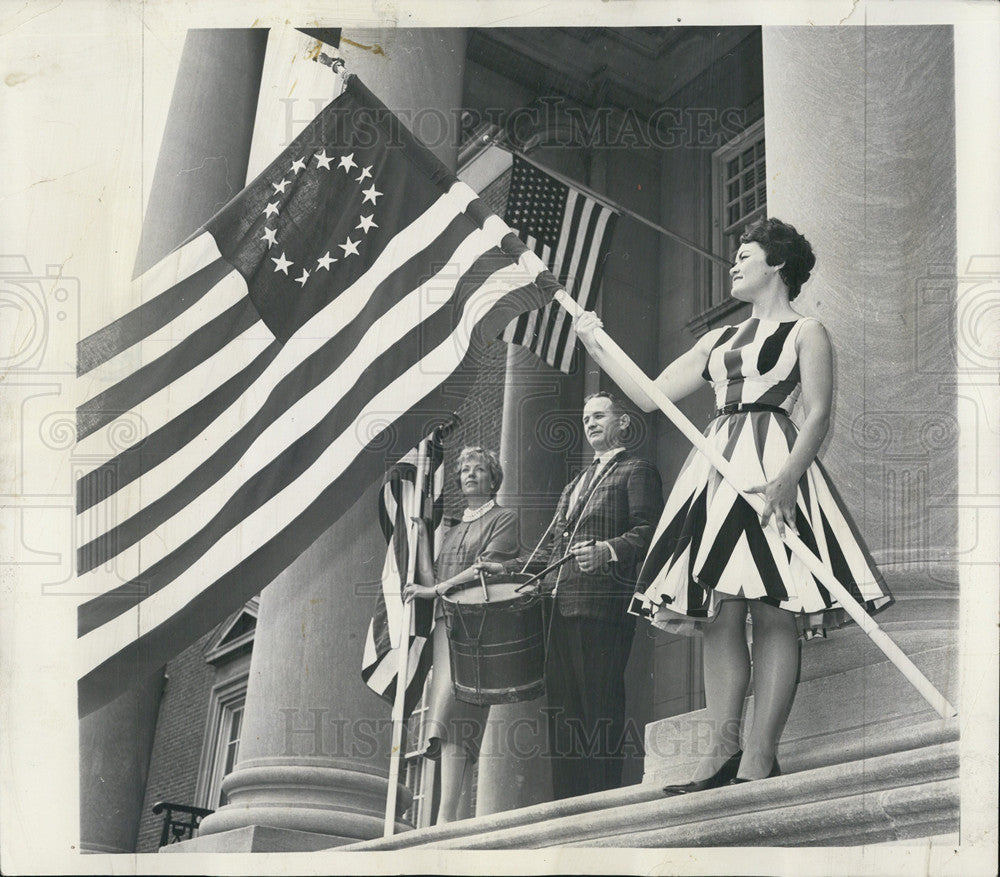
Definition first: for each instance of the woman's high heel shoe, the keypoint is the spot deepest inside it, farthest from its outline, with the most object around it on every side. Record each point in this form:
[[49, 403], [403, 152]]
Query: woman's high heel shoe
[[775, 772], [721, 777]]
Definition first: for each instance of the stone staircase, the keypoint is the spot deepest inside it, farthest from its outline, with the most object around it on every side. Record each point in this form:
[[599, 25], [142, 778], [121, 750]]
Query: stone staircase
[[865, 761], [901, 794]]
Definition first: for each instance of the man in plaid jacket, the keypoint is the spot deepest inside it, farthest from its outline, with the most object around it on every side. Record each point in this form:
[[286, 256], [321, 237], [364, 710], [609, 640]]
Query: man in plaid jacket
[[605, 518]]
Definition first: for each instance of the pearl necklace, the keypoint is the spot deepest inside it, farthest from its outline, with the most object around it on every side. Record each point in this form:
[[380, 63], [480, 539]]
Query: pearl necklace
[[470, 515]]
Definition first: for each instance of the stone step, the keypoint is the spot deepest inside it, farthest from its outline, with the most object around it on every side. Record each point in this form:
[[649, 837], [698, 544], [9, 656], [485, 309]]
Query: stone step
[[896, 814], [834, 718], [901, 794]]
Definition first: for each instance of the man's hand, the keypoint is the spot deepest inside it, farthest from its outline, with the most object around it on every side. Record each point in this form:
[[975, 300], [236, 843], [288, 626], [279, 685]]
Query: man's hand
[[592, 556]]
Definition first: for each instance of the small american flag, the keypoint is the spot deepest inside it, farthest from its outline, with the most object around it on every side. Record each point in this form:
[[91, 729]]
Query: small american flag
[[571, 233], [396, 503]]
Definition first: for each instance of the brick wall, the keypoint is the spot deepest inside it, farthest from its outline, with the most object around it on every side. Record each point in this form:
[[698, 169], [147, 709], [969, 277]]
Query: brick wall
[[177, 744]]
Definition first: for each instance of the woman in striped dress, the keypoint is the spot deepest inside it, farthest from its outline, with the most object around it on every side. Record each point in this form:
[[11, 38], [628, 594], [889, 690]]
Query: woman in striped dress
[[712, 560]]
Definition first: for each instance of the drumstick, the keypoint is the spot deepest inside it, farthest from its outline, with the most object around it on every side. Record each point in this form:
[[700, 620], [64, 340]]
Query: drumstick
[[482, 581], [553, 567]]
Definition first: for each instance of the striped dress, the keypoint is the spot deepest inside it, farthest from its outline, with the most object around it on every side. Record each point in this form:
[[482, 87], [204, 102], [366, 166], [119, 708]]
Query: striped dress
[[709, 545]]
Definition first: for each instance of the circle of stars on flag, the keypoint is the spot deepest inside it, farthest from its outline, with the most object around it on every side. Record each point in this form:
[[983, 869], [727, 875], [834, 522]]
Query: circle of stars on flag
[[349, 247]]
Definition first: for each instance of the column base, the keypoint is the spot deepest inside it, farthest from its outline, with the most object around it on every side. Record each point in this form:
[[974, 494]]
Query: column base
[[339, 801], [90, 847], [258, 839]]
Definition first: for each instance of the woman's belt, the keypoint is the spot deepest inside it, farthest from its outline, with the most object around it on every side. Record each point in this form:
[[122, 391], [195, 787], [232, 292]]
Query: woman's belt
[[740, 407]]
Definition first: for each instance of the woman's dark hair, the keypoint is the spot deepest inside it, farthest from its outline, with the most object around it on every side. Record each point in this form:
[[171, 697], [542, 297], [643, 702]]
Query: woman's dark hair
[[488, 457], [782, 243]]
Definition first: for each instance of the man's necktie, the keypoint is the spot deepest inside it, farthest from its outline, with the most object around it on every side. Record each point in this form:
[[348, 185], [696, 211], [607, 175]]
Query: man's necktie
[[585, 481]]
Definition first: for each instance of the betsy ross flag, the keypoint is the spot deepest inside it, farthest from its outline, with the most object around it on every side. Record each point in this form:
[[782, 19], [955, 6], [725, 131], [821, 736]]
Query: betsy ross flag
[[318, 316], [397, 502], [571, 233]]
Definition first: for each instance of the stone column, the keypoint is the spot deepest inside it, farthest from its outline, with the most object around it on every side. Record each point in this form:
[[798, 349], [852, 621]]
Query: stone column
[[206, 142], [115, 745], [541, 448], [861, 158], [536, 437], [313, 762], [313, 765]]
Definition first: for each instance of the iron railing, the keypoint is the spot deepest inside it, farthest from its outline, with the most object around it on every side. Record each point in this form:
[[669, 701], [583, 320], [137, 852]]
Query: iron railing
[[180, 821]]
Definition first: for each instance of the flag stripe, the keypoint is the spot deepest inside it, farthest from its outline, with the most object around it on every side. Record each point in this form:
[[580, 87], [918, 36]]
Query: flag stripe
[[582, 208], [380, 676], [571, 224], [582, 249], [524, 330], [229, 291], [155, 376], [171, 400], [142, 457], [396, 559], [241, 493], [201, 268], [110, 658], [586, 283], [293, 374], [577, 273], [544, 252], [576, 209], [301, 511]]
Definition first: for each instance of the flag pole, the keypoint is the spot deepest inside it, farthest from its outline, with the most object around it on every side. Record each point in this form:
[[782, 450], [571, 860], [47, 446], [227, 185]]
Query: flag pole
[[396, 752], [614, 205], [791, 539], [402, 670]]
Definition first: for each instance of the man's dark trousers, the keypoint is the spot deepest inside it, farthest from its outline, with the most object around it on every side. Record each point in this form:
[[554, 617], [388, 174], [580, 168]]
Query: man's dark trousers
[[585, 682]]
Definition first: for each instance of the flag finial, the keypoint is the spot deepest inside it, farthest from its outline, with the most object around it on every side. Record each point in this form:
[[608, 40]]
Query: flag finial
[[336, 64]]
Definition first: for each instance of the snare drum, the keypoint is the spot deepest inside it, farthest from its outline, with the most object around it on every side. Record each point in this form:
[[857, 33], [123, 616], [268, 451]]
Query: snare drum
[[496, 647]]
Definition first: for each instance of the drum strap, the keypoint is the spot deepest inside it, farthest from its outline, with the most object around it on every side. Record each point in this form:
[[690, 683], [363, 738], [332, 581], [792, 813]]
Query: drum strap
[[580, 492], [541, 542], [583, 502]]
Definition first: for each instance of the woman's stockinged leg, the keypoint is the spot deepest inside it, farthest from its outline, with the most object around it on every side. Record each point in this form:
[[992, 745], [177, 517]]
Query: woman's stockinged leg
[[775, 675], [453, 765], [727, 674]]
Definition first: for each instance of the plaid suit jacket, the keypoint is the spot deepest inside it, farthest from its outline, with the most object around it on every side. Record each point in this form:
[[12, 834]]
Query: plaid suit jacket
[[622, 508]]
